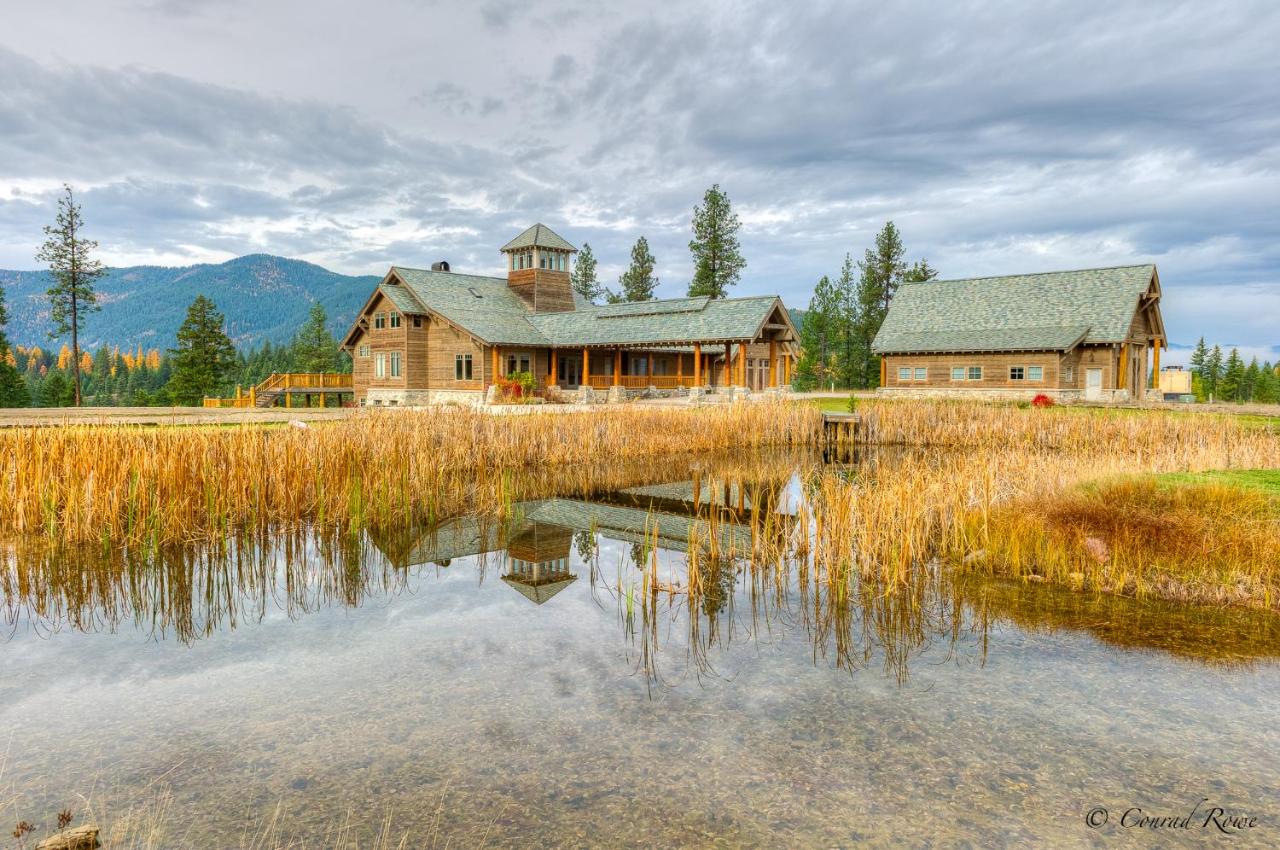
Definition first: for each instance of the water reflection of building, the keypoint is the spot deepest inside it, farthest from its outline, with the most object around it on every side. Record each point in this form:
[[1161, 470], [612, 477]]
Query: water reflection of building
[[536, 539], [537, 561]]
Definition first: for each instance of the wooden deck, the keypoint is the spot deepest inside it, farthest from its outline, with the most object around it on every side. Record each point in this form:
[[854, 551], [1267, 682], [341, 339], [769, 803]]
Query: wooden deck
[[288, 384]]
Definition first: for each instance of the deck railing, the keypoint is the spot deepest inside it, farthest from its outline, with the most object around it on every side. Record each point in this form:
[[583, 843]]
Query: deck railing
[[640, 382], [279, 382]]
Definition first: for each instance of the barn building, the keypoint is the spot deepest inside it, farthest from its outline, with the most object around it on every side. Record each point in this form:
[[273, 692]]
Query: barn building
[[1068, 335]]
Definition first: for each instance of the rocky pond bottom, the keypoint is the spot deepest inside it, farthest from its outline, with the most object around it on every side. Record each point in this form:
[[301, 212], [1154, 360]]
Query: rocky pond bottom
[[477, 683]]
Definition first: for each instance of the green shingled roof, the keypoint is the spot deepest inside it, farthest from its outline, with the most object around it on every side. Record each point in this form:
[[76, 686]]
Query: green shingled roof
[[487, 308], [717, 319], [539, 236], [1049, 311]]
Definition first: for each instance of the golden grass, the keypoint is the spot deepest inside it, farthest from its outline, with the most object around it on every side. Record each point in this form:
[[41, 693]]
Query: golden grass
[[1207, 542], [159, 485]]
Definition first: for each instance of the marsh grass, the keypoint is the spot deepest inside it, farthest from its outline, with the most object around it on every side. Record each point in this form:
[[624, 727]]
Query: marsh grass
[[155, 486], [1197, 540]]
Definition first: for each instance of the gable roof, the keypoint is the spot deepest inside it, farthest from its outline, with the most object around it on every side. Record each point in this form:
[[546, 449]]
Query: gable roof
[[539, 236], [488, 309], [657, 322], [1052, 311]]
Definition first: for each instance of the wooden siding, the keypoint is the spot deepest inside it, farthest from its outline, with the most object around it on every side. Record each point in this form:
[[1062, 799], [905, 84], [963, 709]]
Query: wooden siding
[[380, 340], [542, 290], [995, 370]]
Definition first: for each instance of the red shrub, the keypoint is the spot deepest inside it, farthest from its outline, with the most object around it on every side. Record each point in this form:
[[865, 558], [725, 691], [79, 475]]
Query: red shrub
[[1042, 400]]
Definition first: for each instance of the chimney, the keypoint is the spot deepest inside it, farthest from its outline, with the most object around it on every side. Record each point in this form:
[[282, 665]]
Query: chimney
[[441, 266]]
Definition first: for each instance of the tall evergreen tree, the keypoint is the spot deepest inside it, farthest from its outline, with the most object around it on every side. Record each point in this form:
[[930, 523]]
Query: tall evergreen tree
[[74, 269], [13, 389], [584, 278], [314, 349], [1213, 370], [204, 355], [820, 337], [717, 256], [849, 352], [1199, 357], [1250, 383], [883, 270], [638, 282], [1267, 389], [1232, 377]]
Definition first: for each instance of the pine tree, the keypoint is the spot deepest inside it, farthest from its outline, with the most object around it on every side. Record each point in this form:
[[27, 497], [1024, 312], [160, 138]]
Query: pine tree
[[717, 256], [13, 389], [584, 279], [204, 354], [819, 336], [1232, 377], [1250, 383], [638, 282], [314, 349], [1213, 371], [55, 390], [847, 351], [1267, 390], [883, 271], [1199, 358], [70, 259]]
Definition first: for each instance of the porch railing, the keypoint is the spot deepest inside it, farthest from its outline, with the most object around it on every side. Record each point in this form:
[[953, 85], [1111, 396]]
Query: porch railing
[[640, 382]]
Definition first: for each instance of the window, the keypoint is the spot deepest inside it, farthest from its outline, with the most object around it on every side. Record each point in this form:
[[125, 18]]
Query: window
[[380, 320], [462, 367], [395, 319], [364, 350], [417, 321], [904, 373], [1068, 374], [922, 374], [975, 373], [518, 363], [560, 261], [395, 364], [957, 373], [1035, 373], [1017, 373], [380, 365]]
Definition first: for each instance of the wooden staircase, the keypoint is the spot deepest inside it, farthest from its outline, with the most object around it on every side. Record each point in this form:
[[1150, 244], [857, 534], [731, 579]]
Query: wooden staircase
[[286, 384]]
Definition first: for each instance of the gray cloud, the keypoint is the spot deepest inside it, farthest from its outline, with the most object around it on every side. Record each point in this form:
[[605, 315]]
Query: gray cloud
[[999, 137]]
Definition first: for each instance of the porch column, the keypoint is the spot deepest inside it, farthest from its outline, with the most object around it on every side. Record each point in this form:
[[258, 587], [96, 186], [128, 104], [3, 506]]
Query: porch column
[[728, 365], [493, 374], [680, 369], [786, 369], [617, 367], [1122, 375], [586, 367], [742, 364], [1155, 365], [773, 364], [555, 372], [884, 371], [697, 364]]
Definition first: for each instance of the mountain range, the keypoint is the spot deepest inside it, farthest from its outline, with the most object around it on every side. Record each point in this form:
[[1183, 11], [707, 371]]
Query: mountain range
[[263, 298]]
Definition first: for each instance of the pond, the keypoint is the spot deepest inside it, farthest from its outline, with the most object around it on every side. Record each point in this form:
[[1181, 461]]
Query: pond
[[549, 679]]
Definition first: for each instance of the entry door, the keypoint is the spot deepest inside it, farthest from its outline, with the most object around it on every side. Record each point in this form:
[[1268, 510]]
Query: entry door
[[1093, 384], [570, 372]]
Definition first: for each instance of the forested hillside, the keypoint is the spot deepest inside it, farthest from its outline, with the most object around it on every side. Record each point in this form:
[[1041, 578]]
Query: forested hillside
[[264, 298]]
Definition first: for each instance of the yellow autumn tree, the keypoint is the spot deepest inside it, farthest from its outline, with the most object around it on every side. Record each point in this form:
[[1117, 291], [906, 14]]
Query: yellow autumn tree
[[64, 358]]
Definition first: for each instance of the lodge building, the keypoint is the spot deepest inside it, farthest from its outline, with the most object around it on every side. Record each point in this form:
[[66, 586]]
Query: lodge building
[[431, 336], [1070, 335]]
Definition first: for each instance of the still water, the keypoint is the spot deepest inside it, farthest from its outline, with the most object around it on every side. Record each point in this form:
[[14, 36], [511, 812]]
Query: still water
[[516, 683]]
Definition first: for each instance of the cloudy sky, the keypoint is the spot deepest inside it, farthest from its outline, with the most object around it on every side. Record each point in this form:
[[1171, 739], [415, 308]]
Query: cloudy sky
[[1000, 140]]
